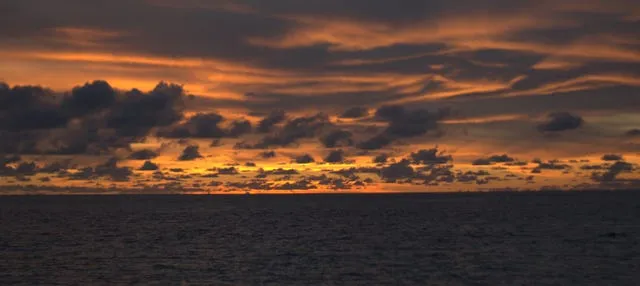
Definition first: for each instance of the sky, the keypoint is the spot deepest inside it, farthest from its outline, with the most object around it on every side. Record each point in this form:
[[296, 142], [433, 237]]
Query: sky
[[281, 96]]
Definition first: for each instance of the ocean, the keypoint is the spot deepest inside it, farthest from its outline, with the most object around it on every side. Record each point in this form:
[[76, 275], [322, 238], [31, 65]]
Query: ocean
[[543, 238]]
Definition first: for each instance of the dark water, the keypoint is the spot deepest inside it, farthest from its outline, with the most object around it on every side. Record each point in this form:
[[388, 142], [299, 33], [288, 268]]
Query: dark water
[[588, 238]]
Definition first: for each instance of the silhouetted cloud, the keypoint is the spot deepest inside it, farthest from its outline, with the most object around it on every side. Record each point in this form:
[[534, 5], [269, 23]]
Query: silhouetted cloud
[[266, 124], [561, 121], [138, 112], [336, 156], [397, 171], [293, 130], [355, 112], [267, 154], [374, 143], [304, 159], [190, 153], [149, 166], [430, 156], [612, 172], [504, 158], [239, 128], [91, 97], [144, 154], [337, 138], [198, 126], [633, 133], [94, 118], [611, 157], [402, 123], [25, 108], [228, 171], [381, 158], [107, 169]]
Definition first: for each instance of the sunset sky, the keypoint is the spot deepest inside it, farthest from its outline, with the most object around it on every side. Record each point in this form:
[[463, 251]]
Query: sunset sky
[[276, 96]]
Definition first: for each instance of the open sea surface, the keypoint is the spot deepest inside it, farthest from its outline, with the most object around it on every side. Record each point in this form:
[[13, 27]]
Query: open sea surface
[[545, 238]]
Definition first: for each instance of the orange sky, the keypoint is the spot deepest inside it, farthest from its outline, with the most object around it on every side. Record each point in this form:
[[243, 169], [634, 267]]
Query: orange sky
[[501, 68]]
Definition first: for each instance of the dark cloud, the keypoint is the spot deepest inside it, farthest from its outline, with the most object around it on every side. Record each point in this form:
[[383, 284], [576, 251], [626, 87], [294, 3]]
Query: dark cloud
[[612, 172], [149, 166], [337, 138], [632, 133], [35, 121], [550, 165], [228, 171], [138, 112], [201, 125], [504, 158], [336, 156], [381, 158], [108, 169], [611, 157], [190, 153], [291, 132], [397, 171], [239, 128], [268, 154], [266, 124], [25, 108], [279, 171], [55, 167], [561, 121], [144, 154], [413, 123], [304, 159], [402, 123], [430, 156], [355, 112], [91, 97], [374, 143]]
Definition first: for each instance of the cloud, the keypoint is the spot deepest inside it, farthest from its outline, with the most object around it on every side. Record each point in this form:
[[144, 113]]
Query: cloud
[[201, 125], [561, 121], [138, 112], [55, 167], [402, 123], [304, 159], [504, 158], [355, 112], [149, 166], [550, 165], [612, 172], [92, 118], [381, 158], [430, 156], [25, 108], [265, 125], [397, 171], [293, 130], [633, 133], [376, 142], [611, 157], [91, 97], [108, 169], [239, 128], [337, 138], [144, 154], [190, 153], [336, 156], [408, 123], [268, 154]]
